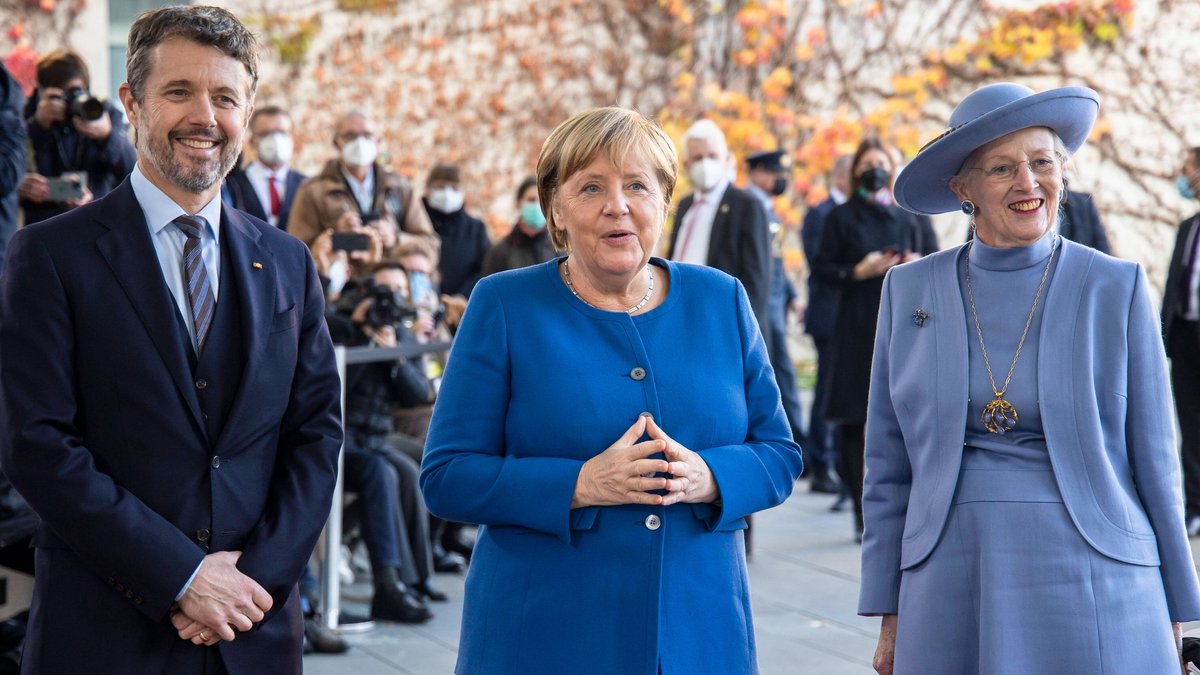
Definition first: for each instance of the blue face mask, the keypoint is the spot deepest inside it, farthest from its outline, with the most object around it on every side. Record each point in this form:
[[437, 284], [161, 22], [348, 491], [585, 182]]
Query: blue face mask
[[419, 286], [531, 215], [1184, 187]]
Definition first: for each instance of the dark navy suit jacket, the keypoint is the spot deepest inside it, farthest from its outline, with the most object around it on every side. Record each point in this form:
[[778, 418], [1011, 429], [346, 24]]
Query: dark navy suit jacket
[[822, 298], [102, 433], [239, 193]]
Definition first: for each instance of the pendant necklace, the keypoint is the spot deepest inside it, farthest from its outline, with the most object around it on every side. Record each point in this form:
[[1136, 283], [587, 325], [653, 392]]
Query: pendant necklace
[[999, 416], [646, 298]]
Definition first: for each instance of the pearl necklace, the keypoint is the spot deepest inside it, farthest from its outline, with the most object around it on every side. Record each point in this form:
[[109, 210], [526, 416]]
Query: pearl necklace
[[631, 310]]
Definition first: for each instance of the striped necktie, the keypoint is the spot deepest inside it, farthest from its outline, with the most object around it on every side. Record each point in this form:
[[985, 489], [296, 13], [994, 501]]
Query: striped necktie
[[195, 275]]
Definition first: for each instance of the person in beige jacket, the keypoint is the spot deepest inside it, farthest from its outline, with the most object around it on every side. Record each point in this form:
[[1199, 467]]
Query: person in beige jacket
[[353, 193]]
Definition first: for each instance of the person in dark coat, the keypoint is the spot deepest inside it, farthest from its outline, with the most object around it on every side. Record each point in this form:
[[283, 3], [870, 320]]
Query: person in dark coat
[[720, 225], [65, 142], [12, 154], [266, 187], [1079, 220], [1181, 332], [464, 238], [861, 241], [528, 243], [818, 323]]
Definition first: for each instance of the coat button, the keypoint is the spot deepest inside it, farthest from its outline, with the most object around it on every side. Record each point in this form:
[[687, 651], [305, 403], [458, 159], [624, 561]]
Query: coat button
[[638, 374], [200, 384], [653, 522], [137, 600], [120, 587], [216, 462], [647, 414], [129, 595], [202, 535]]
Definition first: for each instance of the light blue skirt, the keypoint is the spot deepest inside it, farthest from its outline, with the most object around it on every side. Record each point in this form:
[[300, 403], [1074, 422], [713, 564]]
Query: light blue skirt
[[1013, 589]]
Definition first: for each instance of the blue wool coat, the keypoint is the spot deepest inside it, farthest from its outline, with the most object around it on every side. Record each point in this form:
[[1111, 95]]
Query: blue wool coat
[[1105, 406], [538, 383]]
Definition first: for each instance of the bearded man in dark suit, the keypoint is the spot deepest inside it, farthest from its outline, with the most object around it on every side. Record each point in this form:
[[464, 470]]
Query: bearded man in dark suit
[[168, 394]]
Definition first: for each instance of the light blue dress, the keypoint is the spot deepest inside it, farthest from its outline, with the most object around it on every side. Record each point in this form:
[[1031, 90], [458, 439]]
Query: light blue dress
[[1013, 588], [537, 384]]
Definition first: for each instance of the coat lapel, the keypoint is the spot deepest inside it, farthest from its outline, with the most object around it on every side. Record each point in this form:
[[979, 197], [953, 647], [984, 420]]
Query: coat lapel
[[254, 273], [1056, 396], [718, 243], [131, 256]]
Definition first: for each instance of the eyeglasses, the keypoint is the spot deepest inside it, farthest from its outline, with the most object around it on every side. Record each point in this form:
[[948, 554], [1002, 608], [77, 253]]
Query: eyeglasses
[[1003, 173]]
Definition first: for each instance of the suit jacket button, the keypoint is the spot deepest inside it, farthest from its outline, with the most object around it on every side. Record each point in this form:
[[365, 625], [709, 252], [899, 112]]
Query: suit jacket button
[[202, 535], [216, 462], [653, 522], [200, 384], [120, 587], [111, 581], [638, 374], [129, 595], [137, 600]]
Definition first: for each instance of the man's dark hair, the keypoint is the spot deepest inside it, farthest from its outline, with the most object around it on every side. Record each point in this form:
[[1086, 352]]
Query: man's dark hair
[[268, 111], [61, 66], [210, 26], [530, 181]]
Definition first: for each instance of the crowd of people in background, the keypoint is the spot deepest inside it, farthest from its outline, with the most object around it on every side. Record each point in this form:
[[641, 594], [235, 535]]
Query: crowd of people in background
[[398, 266]]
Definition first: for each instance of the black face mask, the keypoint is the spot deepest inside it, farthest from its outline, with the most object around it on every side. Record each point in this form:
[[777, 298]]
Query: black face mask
[[874, 179], [780, 186]]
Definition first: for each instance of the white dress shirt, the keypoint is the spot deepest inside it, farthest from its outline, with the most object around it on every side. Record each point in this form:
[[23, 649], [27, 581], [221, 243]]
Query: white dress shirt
[[259, 177], [695, 228], [364, 191], [1191, 249], [160, 211]]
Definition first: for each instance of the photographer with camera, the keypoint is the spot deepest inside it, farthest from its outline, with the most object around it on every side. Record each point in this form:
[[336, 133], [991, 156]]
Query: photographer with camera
[[80, 150], [355, 190], [379, 312]]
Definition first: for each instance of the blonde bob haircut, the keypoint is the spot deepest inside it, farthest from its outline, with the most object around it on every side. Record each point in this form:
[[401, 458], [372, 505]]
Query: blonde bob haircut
[[618, 133]]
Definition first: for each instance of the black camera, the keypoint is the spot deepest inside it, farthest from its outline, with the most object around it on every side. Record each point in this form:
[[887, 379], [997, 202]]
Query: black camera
[[81, 104], [389, 308]]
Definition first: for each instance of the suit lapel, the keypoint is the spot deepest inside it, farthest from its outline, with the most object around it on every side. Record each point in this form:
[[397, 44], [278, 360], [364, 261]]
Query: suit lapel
[[131, 256], [719, 243], [680, 214], [253, 270]]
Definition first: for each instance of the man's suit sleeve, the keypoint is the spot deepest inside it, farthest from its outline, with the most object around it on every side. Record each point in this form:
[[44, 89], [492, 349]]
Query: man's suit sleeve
[[12, 138], [756, 258], [43, 453], [306, 463]]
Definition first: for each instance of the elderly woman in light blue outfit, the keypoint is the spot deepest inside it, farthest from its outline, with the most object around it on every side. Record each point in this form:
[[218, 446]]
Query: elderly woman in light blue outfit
[[1022, 496]]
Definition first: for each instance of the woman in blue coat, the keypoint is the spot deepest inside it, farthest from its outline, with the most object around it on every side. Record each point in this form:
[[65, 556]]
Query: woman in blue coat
[[610, 419], [1022, 497]]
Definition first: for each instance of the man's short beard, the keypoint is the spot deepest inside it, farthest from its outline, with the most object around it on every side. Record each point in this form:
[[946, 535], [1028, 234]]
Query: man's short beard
[[185, 176]]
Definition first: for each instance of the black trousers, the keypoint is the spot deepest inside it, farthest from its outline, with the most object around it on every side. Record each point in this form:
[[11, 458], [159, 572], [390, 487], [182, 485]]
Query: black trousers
[[851, 445], [1185, 380]]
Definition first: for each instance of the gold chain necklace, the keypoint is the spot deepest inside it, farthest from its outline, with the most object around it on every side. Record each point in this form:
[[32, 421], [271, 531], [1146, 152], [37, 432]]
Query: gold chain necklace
[[999, 416], [631, 310]]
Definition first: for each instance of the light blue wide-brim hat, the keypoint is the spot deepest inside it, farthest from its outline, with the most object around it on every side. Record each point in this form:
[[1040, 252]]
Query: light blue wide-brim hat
[[983, 116]]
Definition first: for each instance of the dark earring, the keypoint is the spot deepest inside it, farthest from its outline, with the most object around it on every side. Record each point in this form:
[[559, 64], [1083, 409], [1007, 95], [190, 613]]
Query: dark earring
[[968, 207]]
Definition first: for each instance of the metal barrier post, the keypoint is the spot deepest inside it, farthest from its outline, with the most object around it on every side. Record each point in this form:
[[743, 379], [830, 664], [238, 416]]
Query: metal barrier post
[[331, 586]]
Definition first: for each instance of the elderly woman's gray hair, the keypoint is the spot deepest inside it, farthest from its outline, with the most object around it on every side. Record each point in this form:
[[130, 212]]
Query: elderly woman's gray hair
[[618, 133]]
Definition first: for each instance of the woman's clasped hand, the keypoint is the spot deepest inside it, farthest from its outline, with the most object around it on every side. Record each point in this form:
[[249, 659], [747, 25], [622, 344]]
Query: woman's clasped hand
[[625, 473]]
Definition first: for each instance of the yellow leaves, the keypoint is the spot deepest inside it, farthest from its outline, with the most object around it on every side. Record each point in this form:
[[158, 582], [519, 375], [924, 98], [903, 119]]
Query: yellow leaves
[[816, 35], [746, 57], [1101, 129], [804, 51], [1106, 31], [775, 87]]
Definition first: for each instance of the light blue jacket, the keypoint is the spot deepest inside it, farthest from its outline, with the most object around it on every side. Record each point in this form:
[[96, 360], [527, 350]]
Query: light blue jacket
[[538, 383], [1106, 410]]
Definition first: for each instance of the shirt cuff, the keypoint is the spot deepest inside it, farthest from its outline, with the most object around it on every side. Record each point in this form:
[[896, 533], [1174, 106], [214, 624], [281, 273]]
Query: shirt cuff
[[189, 582]]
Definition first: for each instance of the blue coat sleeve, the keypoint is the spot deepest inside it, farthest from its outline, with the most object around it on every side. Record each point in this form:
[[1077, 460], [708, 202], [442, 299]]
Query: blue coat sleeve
[[759, 473], [467, 473], [887, 481], [1150, 439]]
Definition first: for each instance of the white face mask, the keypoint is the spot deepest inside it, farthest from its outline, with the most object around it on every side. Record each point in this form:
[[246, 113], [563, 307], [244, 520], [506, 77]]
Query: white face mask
[[446, 200], [360, 151], [275, 148], [706, 173]]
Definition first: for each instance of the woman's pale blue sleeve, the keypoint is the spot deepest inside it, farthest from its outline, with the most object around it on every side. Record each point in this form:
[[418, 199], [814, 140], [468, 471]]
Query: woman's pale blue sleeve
[[887, 481], [467, 473], [1150, 439], [760, 472]]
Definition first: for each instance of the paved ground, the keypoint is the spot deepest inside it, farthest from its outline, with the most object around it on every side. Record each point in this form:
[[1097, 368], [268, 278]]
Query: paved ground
[[804, 583]]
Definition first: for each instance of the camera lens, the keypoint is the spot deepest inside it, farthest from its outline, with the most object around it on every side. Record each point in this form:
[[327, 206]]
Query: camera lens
[[82, 104]]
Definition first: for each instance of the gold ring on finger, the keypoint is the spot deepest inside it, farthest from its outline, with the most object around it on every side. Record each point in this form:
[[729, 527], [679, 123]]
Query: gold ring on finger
[[202, 638]]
